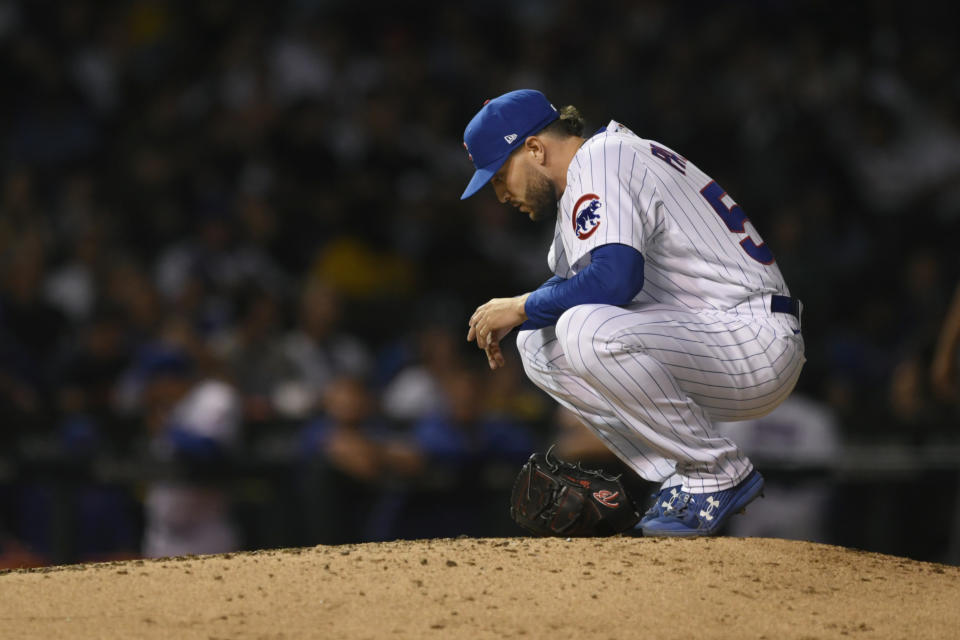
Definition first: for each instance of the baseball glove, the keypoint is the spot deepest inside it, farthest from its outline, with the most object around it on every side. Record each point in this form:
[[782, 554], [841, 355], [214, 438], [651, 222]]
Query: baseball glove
[[555, 498]]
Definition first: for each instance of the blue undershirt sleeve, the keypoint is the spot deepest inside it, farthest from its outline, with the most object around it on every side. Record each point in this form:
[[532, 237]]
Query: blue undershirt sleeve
[[614, 276], [528, 324]]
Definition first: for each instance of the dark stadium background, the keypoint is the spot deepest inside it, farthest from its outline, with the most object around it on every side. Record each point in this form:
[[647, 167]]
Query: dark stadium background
[[174, 176]]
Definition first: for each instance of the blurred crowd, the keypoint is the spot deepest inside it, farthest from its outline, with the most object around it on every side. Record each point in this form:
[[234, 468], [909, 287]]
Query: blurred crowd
[[226, 227]]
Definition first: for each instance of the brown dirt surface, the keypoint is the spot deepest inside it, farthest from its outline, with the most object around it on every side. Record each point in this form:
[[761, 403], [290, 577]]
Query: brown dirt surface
[[495, 588]]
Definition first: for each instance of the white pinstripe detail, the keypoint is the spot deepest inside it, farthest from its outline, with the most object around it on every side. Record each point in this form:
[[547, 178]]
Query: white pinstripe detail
[[692, 259], [545, 364], [617, 368], [697, 345]]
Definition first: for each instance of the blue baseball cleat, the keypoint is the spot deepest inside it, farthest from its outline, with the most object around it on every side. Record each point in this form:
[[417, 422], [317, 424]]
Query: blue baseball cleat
[[661, 502], [701, 514]]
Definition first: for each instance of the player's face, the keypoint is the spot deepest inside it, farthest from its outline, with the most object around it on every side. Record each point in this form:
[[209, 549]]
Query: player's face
[[520, 185]]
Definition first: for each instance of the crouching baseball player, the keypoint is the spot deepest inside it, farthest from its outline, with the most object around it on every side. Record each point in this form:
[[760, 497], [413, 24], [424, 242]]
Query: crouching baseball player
[[666, 311]]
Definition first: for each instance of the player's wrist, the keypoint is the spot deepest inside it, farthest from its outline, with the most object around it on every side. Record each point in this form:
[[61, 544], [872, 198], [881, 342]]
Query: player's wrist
[[522, 306]]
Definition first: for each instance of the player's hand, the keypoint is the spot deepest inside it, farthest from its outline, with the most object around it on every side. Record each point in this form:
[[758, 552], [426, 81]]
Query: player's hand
[[494, 355], [493, 316], [492, 321]]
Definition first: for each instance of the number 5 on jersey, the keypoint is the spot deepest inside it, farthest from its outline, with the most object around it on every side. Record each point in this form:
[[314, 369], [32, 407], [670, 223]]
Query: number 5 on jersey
[[736, 220], [732, 215]]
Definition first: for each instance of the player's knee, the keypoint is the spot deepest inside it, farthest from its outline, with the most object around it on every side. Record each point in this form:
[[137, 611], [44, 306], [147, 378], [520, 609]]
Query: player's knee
[[575, 329], [533, 355], [524, 338], [565, 328]]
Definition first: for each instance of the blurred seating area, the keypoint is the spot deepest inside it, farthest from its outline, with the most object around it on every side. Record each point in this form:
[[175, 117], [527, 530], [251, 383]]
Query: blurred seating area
[[235, 272]]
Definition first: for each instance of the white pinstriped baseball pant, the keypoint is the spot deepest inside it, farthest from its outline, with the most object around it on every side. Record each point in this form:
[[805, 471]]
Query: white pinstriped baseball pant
[[650, 379]]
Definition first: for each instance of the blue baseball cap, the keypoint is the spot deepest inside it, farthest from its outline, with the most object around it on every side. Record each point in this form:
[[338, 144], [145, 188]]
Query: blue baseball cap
[[500, 127]]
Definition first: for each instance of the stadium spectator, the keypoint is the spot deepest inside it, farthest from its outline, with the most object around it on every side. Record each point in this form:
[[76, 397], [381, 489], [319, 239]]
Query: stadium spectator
[[318, 350], [343, 462], [417, 390], [460, 448], [196, 423]]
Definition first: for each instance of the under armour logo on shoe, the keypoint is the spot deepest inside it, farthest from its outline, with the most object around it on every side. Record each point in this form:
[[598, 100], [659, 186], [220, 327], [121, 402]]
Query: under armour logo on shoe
[[712, 504], [668, 504], [510, 138]]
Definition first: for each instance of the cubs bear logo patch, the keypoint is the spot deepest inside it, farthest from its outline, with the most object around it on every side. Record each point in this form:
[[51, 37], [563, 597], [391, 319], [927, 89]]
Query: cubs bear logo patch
[[585, 216]]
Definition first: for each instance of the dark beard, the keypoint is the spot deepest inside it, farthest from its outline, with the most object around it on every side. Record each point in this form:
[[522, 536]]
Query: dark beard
[[541, 198]]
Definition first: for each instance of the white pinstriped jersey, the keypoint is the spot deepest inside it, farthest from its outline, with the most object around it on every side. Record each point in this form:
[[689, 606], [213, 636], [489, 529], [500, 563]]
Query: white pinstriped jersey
[[700, 250]]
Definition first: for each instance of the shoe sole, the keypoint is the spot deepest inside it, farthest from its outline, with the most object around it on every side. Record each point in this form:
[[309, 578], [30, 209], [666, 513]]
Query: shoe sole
[[749, 493]]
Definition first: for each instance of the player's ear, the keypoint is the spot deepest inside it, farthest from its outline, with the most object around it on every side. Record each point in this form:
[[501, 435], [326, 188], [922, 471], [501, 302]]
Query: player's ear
[[534, 146]]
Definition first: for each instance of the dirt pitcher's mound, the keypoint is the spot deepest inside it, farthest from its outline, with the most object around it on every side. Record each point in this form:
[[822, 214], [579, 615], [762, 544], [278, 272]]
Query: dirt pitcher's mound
[[495, 588]]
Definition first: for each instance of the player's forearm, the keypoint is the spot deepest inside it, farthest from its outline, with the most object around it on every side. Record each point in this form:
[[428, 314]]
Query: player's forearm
[[522, 306], [530, 324], [614, 276]]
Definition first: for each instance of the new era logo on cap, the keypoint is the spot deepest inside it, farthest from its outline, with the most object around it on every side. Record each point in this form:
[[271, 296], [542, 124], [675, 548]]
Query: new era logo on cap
[[511, 118]]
